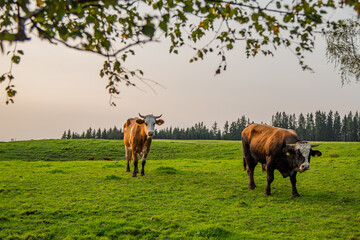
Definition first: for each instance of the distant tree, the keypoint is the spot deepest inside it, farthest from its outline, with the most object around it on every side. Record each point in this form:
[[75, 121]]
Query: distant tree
[[284, 120], [320, 126], [344, 133], [310, 126], [110, 134], [233, 131], [68, 134], [176, 133], [355, 128], [214, 130], [276, 120], [337, 126], [64, 135], [349, 127], [88, 133], [104, 134], [242, 124], [301, 129], [292, 122], [75, 135], [226, 131], [330, 127], [98, 134]]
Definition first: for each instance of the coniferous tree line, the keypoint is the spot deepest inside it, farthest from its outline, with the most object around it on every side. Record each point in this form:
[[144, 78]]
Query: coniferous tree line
[[111, 133], [230, 131], [320, 126]]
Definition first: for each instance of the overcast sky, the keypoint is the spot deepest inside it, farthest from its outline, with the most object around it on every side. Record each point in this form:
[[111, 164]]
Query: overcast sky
[[60, 89]]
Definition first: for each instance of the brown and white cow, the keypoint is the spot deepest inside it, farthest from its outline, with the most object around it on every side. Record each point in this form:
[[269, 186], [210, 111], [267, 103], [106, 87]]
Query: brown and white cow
[[138, 133], [275, 148]]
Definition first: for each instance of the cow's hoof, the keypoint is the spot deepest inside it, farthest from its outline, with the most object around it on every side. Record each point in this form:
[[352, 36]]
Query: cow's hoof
[[295, 195], [134, 175], [127, 170], [267, 194]]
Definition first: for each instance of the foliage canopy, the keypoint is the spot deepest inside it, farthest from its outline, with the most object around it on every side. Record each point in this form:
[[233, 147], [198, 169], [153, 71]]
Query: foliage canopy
[[343, 49], [112, 28]]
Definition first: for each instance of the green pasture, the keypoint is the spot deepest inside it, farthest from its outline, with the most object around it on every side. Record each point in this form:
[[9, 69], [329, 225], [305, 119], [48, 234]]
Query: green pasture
[[192, 190]]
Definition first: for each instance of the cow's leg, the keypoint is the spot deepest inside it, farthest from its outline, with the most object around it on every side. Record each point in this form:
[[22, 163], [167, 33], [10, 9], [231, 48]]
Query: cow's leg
[[293, 185], [270, 179], [128, 158], [250, 172], [135, 159], [143, 160], [250, 167]]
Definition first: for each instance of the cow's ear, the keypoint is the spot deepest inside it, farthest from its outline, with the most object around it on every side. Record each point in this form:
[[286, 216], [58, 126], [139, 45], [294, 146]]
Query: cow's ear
[[159, 122], [315, 153], [140, 121]]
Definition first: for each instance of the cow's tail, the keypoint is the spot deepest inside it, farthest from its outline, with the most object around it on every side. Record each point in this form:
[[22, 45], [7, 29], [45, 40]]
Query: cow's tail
[[244, 161]]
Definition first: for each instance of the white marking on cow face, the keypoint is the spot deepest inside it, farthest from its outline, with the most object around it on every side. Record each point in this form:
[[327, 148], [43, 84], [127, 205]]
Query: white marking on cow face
[[149, 125], [304, 149]]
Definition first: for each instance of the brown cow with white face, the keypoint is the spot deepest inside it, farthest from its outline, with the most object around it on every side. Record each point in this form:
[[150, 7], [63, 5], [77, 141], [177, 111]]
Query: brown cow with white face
[[138, 133], [275, 148]]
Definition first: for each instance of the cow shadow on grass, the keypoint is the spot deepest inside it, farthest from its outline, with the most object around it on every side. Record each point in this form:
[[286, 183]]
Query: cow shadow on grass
[[329, 198], [325, 196], [167, 170]]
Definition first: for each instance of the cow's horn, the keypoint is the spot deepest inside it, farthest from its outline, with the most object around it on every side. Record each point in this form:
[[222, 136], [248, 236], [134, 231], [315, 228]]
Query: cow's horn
[[290, 146], [314, 145], [141, 116], [158, 116]]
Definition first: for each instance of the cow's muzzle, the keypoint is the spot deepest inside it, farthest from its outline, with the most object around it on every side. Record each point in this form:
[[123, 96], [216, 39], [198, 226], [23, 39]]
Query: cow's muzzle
[[151, 133], [303, 167]]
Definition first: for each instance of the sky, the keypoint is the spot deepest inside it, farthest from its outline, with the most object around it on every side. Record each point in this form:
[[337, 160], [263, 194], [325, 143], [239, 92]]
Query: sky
[[60, 89]]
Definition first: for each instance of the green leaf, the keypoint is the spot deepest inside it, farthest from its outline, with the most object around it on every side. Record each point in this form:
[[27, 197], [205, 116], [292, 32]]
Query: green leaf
[[163, 25], [148, 30], [288, 17], [188, 8], [255, 17], [15, 59]]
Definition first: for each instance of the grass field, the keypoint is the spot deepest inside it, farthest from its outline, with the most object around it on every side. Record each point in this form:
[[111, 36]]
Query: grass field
[[192, 190]]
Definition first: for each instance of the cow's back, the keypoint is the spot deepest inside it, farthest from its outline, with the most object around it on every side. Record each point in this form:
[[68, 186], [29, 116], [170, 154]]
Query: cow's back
[[263, 140]]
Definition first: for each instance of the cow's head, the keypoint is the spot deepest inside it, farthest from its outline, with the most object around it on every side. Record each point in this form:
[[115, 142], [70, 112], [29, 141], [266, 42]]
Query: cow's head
[[149, 122], [301, 152]]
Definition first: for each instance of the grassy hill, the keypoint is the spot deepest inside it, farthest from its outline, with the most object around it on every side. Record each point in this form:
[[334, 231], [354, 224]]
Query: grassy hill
[[192, 190], [82, 149]]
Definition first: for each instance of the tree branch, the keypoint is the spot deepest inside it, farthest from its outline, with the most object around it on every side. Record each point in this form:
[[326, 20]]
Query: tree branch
[[253, 7], [139, 42]]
